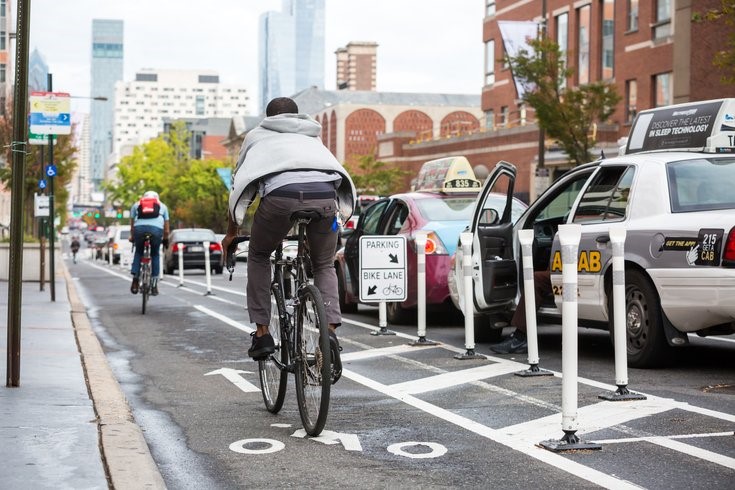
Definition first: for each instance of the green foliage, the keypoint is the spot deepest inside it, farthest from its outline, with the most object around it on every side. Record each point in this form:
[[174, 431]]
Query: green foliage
[[374, 177], [567, 114], [725, 58], [36, 158], [192, 189]]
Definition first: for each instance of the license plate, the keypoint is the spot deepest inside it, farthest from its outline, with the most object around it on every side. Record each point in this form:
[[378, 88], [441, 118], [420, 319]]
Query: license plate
[[196, 249]]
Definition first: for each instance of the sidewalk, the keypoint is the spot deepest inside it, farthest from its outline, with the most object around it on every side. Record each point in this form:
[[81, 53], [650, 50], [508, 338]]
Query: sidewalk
[[68, 425]]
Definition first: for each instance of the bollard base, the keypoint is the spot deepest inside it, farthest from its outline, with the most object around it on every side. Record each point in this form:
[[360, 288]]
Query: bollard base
[[382, 331], [470, 354], [621, 394], [533, 370], [209, 293], [570, 442], [422, 341]]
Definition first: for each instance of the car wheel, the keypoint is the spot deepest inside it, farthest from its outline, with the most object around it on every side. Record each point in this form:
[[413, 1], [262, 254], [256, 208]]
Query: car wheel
[[484, 332], [344, 306], [645, 338], [168, 270], [397, 315]]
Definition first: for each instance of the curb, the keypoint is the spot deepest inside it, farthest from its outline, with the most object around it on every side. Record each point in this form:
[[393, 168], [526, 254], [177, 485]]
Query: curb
[[125, 454]]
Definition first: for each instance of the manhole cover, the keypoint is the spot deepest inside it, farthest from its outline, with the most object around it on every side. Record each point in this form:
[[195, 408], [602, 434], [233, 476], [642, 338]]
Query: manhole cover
[[726, 389]]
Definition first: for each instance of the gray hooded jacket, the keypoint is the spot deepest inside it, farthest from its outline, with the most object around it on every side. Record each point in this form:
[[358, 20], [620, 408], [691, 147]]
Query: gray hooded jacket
[[284, 143]]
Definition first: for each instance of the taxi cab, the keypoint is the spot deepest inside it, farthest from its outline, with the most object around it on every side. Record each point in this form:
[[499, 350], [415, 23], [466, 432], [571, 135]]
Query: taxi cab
[[440, 205], [672, 189]]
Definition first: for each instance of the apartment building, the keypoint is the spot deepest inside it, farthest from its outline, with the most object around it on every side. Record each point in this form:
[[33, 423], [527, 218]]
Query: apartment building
[[357, 66]]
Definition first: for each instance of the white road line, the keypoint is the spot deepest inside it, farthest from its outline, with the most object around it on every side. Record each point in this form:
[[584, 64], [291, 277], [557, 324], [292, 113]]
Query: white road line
[[677, 436], [591, 418], [385, 351], [453, 378], [713, 338], [695, 451], [224, 319], [553, 459]]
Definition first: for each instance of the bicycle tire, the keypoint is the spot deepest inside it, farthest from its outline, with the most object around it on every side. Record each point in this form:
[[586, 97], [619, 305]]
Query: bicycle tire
[[145, 278], [314, 360], [273, 380]]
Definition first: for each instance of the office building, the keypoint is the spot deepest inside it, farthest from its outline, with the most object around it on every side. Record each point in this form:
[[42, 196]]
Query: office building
[[142, 105], [107, 69], [6, 60], [81, 183], [291, 50], [37, 72], [205, 136], [356, 66]]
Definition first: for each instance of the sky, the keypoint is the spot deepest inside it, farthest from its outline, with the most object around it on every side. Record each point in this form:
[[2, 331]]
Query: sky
[[428, 46]]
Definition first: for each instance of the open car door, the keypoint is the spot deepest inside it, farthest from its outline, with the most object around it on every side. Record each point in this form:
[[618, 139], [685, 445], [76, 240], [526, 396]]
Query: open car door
[[495, 273]]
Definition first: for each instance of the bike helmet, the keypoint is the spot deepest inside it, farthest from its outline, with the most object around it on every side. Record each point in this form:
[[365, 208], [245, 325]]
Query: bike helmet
[[151, 194]]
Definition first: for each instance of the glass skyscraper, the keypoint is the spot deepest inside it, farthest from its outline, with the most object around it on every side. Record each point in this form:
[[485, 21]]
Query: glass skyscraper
[[291, 49], [37, 72], [107, 68]]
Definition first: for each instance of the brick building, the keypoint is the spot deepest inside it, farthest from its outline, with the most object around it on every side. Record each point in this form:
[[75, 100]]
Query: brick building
[[356, 66]]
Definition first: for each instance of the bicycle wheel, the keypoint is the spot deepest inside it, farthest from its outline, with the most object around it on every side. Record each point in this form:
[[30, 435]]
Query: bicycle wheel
[[145, 281], [314, 365], [272, 379]]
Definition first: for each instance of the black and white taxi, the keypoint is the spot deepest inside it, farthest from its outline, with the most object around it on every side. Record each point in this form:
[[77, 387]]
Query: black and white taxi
[[673, 189]]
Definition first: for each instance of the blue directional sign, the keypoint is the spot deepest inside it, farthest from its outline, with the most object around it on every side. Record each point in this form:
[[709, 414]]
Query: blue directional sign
[[42, 184], [51, 170]]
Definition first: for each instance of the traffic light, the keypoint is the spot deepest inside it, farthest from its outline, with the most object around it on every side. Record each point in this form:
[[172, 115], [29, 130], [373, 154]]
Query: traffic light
[[96, 215], [119, 213]]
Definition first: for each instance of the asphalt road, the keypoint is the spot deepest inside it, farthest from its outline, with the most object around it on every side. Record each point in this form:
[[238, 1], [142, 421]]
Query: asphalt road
[[401, 415]]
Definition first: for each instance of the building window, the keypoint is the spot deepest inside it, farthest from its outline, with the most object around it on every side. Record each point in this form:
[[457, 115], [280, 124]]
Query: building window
[[200, 105], [631, 100], [489, 119], [2, 8], [490, 62], [562, 39], [632, 15], [3, 42], [583, 45], [504, 113], [489, 8], [2, 72], [662, 27], [608, 39], [663, 94]]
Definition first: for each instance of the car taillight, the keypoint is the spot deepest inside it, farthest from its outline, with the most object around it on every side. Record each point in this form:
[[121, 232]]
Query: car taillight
[[178, 246], [350, 225], [729, 255], [114, 246], [215, 247], [434, 245]]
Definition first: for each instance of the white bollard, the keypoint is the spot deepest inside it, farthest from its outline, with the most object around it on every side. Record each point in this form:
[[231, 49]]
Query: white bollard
[[617, 238], [468, 306], [420, 240], [569, 236], [382, 320], [207, 268], [109, 254], [525, 237], [160, 261], [181, 264]]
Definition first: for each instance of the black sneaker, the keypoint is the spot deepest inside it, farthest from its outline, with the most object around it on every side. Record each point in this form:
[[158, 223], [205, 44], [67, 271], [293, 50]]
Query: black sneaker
[[154, 290], [515, 344], [262, 346], [336, 359], [134, 286]]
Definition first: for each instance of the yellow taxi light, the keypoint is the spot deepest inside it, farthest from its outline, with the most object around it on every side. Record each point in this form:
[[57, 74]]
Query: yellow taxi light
[[451, 174]]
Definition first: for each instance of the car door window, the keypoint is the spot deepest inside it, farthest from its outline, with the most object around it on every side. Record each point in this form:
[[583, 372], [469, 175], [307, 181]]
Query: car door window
[[397, 215], [370, 221], [606, 198], [496, 205]]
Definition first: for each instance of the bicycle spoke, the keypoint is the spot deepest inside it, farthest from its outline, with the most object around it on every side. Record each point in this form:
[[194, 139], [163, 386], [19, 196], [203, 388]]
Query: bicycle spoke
[[272, 379]]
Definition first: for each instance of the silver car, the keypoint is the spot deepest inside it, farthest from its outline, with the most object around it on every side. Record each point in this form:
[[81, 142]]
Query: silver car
[[673, 189]]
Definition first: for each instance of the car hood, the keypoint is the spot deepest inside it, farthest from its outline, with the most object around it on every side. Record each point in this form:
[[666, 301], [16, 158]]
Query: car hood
[[448, 232]]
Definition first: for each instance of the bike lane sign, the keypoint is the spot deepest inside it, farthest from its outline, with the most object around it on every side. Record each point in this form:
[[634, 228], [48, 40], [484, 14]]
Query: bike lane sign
[[383, 275]]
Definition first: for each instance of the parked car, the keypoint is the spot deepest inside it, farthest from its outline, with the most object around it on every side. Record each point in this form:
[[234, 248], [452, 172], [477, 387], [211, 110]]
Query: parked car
[[441, 210], [672, 189], [191, 242], [122, 248]]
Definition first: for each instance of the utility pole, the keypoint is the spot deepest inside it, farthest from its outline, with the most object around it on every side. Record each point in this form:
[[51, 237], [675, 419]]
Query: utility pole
[[541, 132], [18, 146], [52, 211]]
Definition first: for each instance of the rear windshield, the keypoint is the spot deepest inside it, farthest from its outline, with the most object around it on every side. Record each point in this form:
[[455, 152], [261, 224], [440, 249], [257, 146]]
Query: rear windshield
[[124, 234], [195, 236], [449, 209], [704, 184]]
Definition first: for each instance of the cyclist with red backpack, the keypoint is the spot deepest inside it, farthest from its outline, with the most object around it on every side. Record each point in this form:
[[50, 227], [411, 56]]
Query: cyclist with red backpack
[[148, 215]]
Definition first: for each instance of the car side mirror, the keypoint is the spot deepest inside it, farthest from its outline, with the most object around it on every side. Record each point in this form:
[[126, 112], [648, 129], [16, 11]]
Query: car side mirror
[[489, 217]]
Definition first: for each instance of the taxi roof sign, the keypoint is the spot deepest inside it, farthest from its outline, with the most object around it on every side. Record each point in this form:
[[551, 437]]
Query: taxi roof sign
[[451, 174], [706, 126]]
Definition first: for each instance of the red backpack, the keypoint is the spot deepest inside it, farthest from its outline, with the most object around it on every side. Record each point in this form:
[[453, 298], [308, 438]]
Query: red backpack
[[148, 207]]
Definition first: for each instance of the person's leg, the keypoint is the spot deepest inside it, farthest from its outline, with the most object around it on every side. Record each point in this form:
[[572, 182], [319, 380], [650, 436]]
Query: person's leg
[[322, 242], [138, 240], [156, 238], [270, 226]]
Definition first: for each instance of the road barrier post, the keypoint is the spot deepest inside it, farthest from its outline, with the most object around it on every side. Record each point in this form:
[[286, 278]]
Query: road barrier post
[[468, 308], [617, 238], [569, 236], [526, 239], [382, 321], [109, 254], [207, 268], [181, 264], [160, 261], [420, 240]]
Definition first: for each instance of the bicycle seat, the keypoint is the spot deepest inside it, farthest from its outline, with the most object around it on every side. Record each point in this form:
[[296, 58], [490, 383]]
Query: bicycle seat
[[309, 214]]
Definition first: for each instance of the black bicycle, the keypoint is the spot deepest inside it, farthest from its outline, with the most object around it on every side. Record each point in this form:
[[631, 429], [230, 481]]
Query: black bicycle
[[299, 328], [146, 274]]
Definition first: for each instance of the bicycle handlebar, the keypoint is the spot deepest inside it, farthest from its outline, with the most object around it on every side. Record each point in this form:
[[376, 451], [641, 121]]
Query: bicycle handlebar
[[231, 250]]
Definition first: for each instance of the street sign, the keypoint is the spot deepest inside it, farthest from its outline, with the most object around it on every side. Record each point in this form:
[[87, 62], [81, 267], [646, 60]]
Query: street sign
[[50, 113], [383, 274], [51, 170], [37, 139], [42, 184], [41, 206]]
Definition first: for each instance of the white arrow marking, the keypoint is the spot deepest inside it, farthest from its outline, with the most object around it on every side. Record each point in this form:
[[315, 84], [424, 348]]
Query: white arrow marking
[[233, 375], [349, 441]]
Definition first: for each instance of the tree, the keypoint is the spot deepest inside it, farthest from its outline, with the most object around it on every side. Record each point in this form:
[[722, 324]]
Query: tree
[[371, 176], [566, 113], [725, 58], [36, 158]]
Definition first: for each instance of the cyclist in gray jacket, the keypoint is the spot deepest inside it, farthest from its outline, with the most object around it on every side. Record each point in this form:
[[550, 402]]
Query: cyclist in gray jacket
[[284, 161]]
